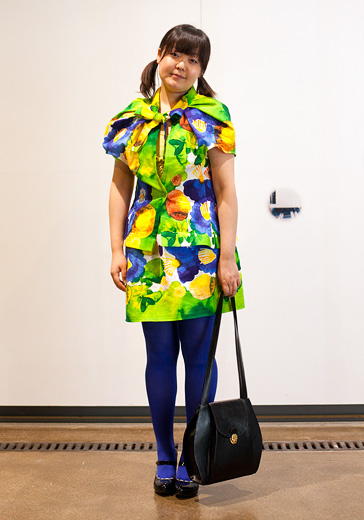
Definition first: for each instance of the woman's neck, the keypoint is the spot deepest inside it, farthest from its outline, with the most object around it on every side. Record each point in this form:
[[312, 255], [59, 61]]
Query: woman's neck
[[168, 99]]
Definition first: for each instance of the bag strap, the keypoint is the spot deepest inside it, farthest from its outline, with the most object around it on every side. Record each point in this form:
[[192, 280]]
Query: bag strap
[[212, 352]]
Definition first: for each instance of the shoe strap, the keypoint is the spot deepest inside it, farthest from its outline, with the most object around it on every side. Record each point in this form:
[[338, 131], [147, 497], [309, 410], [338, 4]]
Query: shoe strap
[[166, 463]]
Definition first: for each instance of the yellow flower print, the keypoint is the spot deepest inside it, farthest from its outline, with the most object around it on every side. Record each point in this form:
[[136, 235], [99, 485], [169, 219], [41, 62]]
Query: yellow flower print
[[132, 241], [198, 172], [204, 208], [127, 294], [226, 137], [132, 158], [199, 125], [203, 286], [207, 172], [191, 140], [164, 283], [119, 134], [109, 127], [179, 292], [144, 221], [206, 256], [170, 263]]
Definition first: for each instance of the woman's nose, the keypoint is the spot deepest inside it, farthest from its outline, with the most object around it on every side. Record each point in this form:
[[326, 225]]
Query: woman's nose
[[181, 64]]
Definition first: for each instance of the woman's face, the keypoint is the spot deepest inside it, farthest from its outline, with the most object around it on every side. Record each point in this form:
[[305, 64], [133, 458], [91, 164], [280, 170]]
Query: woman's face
[[178, 71]]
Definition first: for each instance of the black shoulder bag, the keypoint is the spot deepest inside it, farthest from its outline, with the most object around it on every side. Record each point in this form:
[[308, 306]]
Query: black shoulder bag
[[223, 440]]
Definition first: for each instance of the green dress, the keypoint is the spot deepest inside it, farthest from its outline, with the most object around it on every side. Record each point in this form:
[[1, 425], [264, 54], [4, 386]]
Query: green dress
[[172, 236]]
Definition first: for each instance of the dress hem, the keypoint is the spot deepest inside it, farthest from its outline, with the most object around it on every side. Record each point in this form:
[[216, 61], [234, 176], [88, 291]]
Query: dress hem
[[182, 318]]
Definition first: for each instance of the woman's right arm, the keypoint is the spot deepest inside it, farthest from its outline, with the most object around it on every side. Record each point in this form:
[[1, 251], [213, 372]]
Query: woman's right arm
[[121, 190]]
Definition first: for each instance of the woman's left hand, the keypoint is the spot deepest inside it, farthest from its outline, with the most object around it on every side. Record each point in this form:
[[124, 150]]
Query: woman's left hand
[[229, 277]]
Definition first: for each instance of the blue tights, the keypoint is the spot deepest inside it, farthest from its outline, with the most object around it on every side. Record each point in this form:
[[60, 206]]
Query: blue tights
[[163, 341]]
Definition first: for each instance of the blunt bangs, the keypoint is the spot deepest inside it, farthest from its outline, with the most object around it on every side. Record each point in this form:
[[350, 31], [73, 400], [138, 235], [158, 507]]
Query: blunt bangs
[[187, 40]]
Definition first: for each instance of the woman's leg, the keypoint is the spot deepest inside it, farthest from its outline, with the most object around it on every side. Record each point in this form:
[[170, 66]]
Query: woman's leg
[[162, 345], [195, 335]]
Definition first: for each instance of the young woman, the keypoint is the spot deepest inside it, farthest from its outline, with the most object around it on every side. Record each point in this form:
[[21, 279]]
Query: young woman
[[175, 248]]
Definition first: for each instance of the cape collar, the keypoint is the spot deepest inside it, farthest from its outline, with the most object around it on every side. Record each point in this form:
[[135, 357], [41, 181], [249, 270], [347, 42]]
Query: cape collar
[[183, 103], [147, 109], [151, 110]]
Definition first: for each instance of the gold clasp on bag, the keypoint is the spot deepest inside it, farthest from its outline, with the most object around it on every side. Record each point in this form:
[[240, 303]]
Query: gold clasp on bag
[[234, 438]]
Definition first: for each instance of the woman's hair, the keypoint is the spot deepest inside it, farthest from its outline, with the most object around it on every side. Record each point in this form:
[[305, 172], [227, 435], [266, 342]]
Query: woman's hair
[[188, 40]]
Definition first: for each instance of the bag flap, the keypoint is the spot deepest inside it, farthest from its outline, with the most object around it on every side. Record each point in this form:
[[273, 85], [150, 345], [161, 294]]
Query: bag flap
[[229, 417]]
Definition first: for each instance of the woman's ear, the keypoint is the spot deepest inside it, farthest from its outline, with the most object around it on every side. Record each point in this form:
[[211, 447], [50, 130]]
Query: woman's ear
[[159, 55]]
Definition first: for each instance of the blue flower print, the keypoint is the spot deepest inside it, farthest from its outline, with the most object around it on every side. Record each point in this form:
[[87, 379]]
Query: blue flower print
[[137, 261], [143, 195], [208, 258], [125, 128], [202, 216], [180, 258], [201, 191], [203, 213], [203, 126]]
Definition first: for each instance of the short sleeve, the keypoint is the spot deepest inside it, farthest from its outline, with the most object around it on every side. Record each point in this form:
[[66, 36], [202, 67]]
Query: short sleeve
[[224, 137], [210, 121], [115, 137], [118, 132]]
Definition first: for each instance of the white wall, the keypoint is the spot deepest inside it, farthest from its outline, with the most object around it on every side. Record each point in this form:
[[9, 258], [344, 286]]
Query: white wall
[[292, 74]]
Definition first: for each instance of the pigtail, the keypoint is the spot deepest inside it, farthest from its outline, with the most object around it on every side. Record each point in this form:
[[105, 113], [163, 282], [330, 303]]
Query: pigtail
[[204, 88], [147, 85]]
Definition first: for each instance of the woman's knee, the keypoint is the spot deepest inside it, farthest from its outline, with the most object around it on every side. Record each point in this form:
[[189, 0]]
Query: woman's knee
[[195, 336], [162, 342]]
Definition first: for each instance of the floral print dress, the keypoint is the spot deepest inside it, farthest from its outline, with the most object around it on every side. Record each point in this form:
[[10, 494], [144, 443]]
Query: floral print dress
[[172, 234]]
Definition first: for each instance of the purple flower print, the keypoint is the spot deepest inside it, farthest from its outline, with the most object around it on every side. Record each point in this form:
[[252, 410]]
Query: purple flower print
[[186, 269], [199, 191], [143, 196], [203, 126], [116, 148], [137, 260]]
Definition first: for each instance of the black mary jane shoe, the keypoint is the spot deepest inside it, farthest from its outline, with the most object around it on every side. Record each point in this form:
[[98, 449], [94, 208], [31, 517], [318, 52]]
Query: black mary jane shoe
[[186, 489], [165, 486]]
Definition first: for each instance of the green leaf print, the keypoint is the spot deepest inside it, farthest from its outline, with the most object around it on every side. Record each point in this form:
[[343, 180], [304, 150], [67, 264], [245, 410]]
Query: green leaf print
[[151, 299], [179, 145], [176, 142], [171, 238], [145, 302], [172, 225], [153, 271], [201, 155]]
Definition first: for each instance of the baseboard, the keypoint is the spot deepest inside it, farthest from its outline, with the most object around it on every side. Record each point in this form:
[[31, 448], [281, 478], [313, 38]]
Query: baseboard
[[141, 414]]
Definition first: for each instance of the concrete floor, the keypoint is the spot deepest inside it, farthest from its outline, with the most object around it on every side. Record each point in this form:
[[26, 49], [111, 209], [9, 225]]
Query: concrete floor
[[119, 485]]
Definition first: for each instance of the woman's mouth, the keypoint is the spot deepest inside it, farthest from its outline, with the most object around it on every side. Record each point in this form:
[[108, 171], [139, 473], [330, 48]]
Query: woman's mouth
[[178, 76]]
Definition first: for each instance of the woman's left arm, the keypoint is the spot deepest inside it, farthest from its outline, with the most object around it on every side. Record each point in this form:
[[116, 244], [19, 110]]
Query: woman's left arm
[[222, 168]]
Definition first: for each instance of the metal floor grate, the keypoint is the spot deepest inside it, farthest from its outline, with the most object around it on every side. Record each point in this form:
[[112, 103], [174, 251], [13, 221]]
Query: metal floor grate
[[152, 446]]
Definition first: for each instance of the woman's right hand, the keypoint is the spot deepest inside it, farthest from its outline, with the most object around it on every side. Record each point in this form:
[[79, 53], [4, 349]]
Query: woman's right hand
[[118, 265]]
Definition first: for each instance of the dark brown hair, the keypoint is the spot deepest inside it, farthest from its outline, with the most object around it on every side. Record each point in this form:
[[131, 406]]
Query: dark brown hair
[[188, 40]]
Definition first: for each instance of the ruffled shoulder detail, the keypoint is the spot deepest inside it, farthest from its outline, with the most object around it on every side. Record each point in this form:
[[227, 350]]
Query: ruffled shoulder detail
[[209, 120], [120, 128], [211, 106], [206, 117]]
